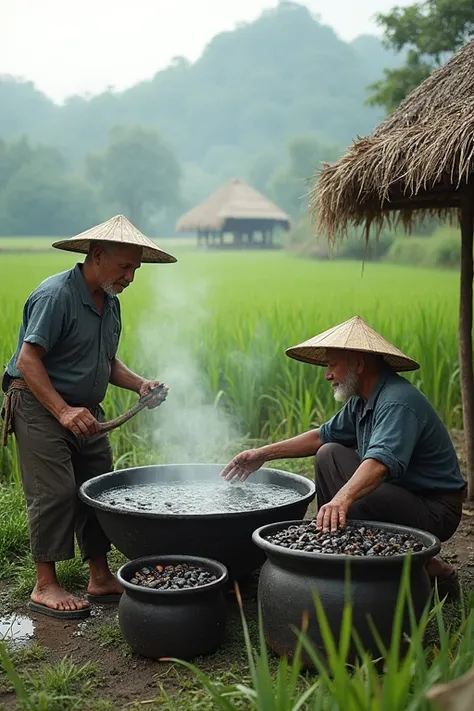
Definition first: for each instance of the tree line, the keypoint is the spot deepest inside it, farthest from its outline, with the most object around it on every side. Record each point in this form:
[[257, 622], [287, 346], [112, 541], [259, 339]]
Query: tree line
[[185, 132]]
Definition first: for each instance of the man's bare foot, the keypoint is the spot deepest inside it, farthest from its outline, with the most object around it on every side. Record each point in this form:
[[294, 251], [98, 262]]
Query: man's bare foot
[[437, 568], [53, 596], [104, 586], [101, 581]]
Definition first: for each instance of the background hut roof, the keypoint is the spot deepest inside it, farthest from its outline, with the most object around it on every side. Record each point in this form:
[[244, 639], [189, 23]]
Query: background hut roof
[[234, 200], [416, 160]]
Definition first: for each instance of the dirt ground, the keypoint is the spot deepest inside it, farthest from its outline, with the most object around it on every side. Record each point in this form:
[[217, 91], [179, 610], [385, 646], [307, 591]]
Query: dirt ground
[[126, 678]]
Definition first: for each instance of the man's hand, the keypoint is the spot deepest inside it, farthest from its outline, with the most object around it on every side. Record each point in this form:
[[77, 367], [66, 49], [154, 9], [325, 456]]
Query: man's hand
[[242, 465], [148, 385], [333, 515], [79, 421]]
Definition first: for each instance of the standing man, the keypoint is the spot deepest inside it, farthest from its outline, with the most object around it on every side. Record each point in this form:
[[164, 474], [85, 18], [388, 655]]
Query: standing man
[[54, 384], [386, 455]]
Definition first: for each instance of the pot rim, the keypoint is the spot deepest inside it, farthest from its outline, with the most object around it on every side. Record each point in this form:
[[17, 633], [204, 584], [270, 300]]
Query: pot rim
[[207, 563], [431, 541], [90, 501]]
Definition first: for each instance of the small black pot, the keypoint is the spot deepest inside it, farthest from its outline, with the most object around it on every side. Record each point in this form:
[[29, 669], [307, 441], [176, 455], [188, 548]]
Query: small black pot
[[289, 578], [182, 623]]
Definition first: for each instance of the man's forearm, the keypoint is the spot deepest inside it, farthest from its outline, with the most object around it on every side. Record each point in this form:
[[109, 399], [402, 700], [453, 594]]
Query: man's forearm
[[303, 445], [34, 373], [123, 377], [367, 477]]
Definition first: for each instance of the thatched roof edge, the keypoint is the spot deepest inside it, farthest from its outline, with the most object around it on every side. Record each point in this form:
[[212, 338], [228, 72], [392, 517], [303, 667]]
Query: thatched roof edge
[[414, 164]]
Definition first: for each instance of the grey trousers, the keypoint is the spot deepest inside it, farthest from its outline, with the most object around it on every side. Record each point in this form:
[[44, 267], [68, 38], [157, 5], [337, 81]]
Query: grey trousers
[[53, 464], [438, 514]]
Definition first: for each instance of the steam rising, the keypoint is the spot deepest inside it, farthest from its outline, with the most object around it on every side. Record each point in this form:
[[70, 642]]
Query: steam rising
[[190, 426]]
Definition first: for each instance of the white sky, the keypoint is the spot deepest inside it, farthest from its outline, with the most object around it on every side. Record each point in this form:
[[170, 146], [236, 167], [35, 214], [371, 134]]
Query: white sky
[[77, 46]]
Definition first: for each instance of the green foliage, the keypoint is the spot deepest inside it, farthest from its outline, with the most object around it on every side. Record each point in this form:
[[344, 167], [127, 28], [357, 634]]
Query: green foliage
[[261, 168], [14, 541], [303, 241], [408, 671], [137, 170], [305, 156], [38, 195], [441, 250], [24, 108], [430, 31], [63, 687]]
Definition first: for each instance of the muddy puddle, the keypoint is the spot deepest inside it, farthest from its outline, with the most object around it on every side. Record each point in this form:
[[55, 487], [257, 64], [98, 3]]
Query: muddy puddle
[[16, 629]]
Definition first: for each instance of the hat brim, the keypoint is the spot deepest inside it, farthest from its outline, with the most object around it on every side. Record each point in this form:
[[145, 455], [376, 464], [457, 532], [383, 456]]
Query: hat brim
[[319, 356], [150, 255]]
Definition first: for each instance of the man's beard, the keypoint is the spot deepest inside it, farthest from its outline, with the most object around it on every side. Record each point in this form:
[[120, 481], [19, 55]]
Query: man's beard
[[109, 287], [348, 388]]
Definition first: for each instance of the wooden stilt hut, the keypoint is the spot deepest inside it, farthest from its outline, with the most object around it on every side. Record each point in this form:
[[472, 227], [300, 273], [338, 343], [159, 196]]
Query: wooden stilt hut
[[240, 210], [418, 162]]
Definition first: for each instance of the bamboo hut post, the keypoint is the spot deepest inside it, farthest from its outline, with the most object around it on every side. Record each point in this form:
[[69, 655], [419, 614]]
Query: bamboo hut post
[[466, 370]]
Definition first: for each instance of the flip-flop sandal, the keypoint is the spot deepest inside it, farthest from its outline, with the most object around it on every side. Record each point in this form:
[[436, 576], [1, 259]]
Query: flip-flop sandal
[[59, 614], [104, 599]]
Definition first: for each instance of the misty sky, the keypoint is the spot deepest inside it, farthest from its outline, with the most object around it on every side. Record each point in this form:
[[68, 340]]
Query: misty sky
[[79, 46]]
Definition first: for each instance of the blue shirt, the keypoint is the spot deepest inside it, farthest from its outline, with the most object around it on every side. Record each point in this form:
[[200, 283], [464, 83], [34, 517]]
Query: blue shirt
[[80, 343], [399, 427]]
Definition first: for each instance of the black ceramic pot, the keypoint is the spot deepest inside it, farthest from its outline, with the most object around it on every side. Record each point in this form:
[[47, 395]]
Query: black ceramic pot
[[182, 623], [289, 578], [223, 537]]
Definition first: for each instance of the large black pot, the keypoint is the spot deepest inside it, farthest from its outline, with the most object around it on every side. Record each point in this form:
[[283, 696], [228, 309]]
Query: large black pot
[[183, 623], [289, 579], [224, 537]]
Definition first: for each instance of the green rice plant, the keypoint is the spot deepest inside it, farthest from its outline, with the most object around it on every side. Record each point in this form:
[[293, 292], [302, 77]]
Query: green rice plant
[[14, 539], [230, 318], [397, 680]]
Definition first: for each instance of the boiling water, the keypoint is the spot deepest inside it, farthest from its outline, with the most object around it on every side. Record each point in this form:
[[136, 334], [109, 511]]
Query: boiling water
[[218, 497]]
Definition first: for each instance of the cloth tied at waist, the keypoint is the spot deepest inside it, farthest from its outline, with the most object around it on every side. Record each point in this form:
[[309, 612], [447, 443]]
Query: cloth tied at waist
[[7, 411], [9, 385]]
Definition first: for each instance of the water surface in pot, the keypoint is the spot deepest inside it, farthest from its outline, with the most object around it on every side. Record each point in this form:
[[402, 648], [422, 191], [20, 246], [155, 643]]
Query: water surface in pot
[[198, 497]]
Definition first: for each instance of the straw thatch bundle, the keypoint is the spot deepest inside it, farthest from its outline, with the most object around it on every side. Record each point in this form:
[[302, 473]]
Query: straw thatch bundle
[[235, 200], [412, 164]]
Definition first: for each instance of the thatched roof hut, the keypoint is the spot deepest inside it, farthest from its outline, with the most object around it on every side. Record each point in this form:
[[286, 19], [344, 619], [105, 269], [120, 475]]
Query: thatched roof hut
[[419, 161], [235, 207]]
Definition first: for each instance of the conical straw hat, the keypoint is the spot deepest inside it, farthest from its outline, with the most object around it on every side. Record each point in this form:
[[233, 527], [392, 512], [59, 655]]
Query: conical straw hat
[[352, 335], [120, 231]]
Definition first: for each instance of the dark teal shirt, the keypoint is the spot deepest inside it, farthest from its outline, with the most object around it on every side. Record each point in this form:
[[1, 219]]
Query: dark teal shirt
[[61, 316], [399, 427]]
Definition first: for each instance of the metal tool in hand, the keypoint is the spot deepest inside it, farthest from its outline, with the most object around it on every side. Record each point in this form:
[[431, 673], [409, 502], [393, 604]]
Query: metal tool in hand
[[157, 395]]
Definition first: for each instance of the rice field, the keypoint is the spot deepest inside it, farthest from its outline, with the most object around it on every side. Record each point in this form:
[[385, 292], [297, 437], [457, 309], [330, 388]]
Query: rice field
[[214, 327]]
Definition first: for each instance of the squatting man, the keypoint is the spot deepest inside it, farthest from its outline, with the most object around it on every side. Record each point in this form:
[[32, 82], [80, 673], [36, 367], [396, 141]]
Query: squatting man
[[54, 384], [386, 455]]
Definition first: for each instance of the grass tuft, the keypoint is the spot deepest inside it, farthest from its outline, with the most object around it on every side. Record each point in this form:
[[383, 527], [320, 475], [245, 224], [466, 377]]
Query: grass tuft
[[14, 539]]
